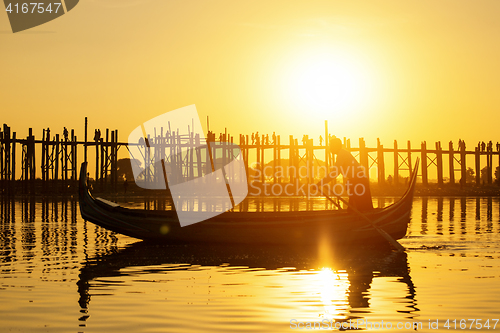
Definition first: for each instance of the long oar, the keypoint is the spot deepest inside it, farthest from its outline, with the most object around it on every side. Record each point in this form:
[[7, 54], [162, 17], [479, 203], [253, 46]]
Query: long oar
[[381, 231]]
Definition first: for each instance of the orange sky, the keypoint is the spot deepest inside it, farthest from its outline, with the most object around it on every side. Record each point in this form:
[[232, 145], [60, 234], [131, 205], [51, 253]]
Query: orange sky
[[405, 70]]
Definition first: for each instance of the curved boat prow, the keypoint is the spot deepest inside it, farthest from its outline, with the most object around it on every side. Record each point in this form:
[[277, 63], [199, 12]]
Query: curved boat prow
[[410, 191], [82, 181], [407, 198]]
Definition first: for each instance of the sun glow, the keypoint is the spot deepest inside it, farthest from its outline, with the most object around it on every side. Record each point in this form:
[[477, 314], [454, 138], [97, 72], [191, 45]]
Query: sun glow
[[330, 86]]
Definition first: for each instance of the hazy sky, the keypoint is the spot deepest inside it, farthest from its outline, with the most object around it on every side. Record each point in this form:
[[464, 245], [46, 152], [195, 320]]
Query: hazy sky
[[405, 70]]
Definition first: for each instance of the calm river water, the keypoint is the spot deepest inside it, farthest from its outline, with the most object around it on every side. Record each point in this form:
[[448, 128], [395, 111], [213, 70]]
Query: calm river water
[[59, 273]]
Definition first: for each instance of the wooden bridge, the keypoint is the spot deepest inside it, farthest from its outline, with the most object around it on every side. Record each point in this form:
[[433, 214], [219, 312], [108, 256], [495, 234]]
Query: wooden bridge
[[50, 163]]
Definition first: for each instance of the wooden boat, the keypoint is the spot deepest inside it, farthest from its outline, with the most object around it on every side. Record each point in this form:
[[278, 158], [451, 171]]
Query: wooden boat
[[280, 228]]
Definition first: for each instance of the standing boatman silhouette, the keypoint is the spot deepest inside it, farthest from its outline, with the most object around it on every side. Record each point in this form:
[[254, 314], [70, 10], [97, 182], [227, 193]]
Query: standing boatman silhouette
[[358, 184]]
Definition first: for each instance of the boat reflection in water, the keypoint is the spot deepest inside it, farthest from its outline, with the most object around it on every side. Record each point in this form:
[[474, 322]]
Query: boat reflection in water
[[271, 285]]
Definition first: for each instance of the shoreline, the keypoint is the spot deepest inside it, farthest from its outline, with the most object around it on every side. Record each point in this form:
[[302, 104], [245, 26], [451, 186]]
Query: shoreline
[[376, 193], [55, 189]]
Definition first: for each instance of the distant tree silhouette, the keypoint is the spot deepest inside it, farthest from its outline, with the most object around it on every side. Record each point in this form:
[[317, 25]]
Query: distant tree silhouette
[[484, 175], [469, 175], [124, 166]]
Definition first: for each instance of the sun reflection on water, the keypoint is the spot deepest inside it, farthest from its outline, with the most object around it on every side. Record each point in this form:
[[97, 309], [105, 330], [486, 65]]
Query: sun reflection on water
[[333, 290]]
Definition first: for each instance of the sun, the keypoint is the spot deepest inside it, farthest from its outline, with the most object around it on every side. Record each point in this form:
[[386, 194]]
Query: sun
[[326, 85]]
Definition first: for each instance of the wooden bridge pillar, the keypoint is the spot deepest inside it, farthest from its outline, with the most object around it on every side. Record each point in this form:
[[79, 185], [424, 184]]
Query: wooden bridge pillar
[[56, 158], [296, 158], [113, 174], [275, 157], [44, 162], [85, 139], [247, 150], [199, 167], [477, 160], [262, 158], [451, 163], [260, 161], [439, 162], [489, 158], [29, 171], [381, 164], [396, 163], [102, 161], [7, 160], [5, 155], [48, 165], [463, 164], [106, 160], [96, 142], [243, 152], [363, 156], [310, 160], [12, 188], [7, 150], [64, 161], [31, 161], [209, 156], [410, 165], [73, 158], [279, 159], [115, 160], [327, 148], [423, 153], [189, 157]]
